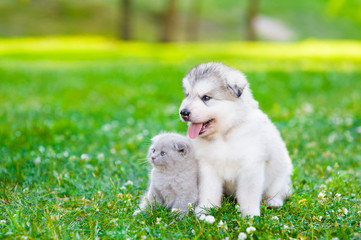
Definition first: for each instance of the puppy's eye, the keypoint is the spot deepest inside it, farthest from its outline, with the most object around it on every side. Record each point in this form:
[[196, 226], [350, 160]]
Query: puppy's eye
[[206, 98], [162, 153]]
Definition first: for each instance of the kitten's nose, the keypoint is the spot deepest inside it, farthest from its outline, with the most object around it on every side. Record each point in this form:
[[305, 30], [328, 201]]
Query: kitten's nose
[[153, 158], [185, 114]]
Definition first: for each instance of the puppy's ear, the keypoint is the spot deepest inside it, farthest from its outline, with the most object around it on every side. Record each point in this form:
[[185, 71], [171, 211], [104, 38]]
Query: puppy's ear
[[235, 90], [236, 82], [181, 147]]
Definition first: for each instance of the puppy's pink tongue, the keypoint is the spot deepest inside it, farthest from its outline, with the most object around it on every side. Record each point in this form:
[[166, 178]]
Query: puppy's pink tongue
[[194, 129]]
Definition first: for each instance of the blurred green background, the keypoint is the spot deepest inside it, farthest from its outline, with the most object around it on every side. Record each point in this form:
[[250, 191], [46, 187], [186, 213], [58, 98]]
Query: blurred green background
[[174, 20]]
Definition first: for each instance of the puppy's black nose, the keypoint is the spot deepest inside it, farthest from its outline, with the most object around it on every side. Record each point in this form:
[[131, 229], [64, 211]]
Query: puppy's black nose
[[185, 114]]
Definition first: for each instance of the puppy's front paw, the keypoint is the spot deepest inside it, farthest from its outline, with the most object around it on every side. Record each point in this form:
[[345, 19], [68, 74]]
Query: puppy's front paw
[[250, 212], [276, 202], [200, 210]]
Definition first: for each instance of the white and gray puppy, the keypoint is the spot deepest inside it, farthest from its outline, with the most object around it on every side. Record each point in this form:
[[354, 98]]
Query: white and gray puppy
[[239, 149], [174, 177]]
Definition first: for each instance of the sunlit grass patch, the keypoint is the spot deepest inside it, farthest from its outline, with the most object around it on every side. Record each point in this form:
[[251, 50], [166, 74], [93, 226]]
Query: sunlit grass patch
[[306, 55]]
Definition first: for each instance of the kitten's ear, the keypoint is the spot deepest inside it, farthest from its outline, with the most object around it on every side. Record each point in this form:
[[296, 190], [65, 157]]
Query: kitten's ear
[[155, 138], [181, 147]]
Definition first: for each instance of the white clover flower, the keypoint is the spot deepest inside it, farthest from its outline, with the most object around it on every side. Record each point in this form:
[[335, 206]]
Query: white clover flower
[[106, 127], [37, 160], [175, 210], [207, 218], [123, 188], [202, 217], [139, 137], [329, 180], [344, 210], [307, 108], [242, 236], [222, 225], [329, 169], [113, 151], [321, 195], [210, 219], [66, 154], [250, 230], [158, 220], [41, 149], [3, 221], [84, 156], [193, 232], [238, 208], [275, 218], [285, 226], [332, 137], [348, 121], [358, 129], [337, 195], [130, 121], [100, 156], [129, 183], [190, 206]]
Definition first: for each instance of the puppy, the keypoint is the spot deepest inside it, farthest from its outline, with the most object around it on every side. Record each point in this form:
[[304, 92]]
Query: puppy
[[239, 149]]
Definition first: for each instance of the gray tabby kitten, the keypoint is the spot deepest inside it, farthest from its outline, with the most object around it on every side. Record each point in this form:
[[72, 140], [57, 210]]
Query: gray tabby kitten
[[174, 177]]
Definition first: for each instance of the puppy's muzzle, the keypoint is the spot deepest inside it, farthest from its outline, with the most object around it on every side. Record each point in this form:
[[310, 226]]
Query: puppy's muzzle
[[185, 114]]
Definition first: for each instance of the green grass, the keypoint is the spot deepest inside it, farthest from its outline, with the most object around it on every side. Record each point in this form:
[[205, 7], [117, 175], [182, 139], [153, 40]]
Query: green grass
[[63, 98]]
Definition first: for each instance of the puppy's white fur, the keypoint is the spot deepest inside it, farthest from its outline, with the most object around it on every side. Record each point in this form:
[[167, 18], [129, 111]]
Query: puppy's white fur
[[241, 152]]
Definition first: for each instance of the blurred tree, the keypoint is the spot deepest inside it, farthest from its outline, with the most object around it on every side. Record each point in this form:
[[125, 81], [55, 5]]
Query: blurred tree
[[252, 12], [169, 22], [125, 19], [193, 20]]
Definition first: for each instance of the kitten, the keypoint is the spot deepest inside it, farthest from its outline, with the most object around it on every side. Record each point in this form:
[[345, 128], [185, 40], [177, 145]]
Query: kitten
[[174, 177]]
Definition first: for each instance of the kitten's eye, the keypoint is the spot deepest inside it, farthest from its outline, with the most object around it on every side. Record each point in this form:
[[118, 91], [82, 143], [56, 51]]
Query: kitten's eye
[[153, 150], [206, 98], [162, 153]]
